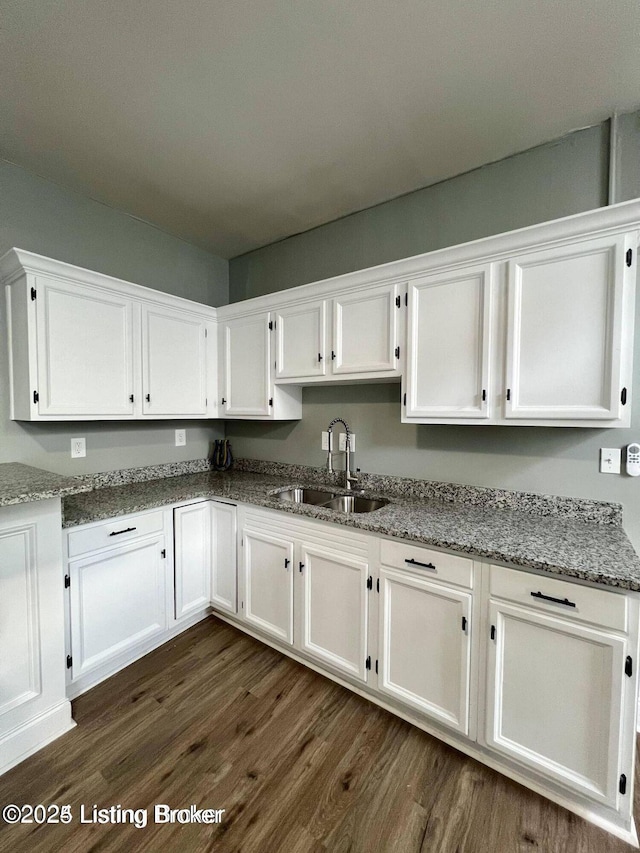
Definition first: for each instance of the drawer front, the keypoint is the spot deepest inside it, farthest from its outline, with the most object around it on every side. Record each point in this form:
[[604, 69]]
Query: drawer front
[[433, 564], [560, 598], [114, 532]]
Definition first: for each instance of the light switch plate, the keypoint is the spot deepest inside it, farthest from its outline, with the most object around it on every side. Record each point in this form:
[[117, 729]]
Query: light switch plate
[[181, 437], [352, 441], [325, 441], [609, 460]]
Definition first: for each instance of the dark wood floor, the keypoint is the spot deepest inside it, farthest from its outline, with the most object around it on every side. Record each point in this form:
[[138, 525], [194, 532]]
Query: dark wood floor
[[217, 719]]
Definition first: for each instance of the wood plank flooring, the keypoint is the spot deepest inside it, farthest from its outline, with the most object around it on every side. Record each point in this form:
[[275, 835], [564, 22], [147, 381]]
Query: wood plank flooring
[[301, 765]]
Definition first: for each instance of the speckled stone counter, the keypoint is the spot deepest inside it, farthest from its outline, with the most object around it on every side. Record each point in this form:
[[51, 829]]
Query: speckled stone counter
[[22, 483], [561, 542]]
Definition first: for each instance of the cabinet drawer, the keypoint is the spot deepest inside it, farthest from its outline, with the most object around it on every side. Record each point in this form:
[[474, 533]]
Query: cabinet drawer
[[434, 564], [114, 532], [570, 600]]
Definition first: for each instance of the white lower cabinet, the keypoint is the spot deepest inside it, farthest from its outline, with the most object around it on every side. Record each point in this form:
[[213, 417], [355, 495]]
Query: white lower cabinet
[[267, 571], [425, 646], [33, 706], [117, 601], [335, 607], [192, 560]]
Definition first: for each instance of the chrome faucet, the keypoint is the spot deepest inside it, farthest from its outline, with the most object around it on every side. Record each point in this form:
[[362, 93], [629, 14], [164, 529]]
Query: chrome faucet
[[349, 478]]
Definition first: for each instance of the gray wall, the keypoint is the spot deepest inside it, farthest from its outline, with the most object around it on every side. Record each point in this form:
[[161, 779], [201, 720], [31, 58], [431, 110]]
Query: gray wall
[[554, 180], [39, 216]]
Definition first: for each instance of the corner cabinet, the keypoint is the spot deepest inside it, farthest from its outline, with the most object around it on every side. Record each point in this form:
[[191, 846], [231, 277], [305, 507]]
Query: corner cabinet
[[86, 346]]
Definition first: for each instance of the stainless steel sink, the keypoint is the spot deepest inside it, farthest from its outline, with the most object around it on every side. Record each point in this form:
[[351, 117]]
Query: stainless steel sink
[[305, 496], [351, 503]]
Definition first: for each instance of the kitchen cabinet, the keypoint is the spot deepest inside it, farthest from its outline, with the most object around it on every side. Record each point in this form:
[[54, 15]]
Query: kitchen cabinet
[[425, 646], [224, 567], [173, 362], [34, 708], [267, 572], [559, 686], [565, 331], [192, 561], [117, 601], [449, 344], [361, 340], [90, 347], [335, 608], [247, 385]]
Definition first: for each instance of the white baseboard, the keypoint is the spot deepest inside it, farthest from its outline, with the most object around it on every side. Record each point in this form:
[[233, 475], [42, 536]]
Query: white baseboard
[[38, 732]]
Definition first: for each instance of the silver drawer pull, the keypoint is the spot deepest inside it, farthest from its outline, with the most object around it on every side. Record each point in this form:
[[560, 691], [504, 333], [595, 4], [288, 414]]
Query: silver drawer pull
[[413, 562], [118, 532], [564, 601]]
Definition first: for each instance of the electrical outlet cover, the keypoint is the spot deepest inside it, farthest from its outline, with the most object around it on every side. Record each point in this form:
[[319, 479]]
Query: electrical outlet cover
[[352, 441], [78, 448], [181, 437]]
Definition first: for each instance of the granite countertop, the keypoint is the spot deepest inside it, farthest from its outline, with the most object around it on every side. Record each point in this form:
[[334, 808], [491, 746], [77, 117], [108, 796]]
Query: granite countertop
[[578, 548], [22, 483]]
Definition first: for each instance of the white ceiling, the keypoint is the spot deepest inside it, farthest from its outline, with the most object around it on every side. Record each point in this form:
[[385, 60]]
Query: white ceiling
[[233, 123]]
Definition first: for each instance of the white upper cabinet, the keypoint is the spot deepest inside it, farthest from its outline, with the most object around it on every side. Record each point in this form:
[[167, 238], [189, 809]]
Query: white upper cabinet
[[566, 331], [87, 346], [354, 335], [247, 371], [448, 344], [85, 350], [365, 332], [246, 358], [173, 362], [301, 341]]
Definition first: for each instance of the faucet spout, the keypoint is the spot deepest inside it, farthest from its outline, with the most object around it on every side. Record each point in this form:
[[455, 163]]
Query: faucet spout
[[349, 479]]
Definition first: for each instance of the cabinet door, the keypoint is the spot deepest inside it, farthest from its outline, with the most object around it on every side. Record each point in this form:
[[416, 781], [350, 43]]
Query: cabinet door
[[565, 331], [224, 567], [173, 362], [554, 698], [246, 360], [365, 331], [117, 601], [192, 566], [301, 341], [449, 344], [85, 350], [425, 648], [335, 607], [268, 584]]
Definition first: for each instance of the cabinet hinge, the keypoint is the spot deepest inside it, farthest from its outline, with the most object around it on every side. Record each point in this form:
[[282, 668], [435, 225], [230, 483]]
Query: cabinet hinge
[[271, 325], [367, 663], [271, 401], [406, 299], [508, 393], [36, 396], [286, 562], [404, 399], [34, 293], [398, 301], [163, 553], [622, 787], [369, 582], [629, 257], [376, 666], [300, 566], [69, 661], [67, 581], [623, 396], [628, 666], [397, 352], [464, 623], [378, 585], [484, 395], [493, 632]]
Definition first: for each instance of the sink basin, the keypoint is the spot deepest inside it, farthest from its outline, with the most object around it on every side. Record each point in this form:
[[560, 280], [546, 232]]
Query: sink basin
[[305, 496], [351, 503]]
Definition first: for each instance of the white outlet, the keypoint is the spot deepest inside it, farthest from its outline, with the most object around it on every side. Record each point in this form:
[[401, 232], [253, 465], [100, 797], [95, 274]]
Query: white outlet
[[325, 441], [181, 437], [609, 460], [352, 441], [78, 448]]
